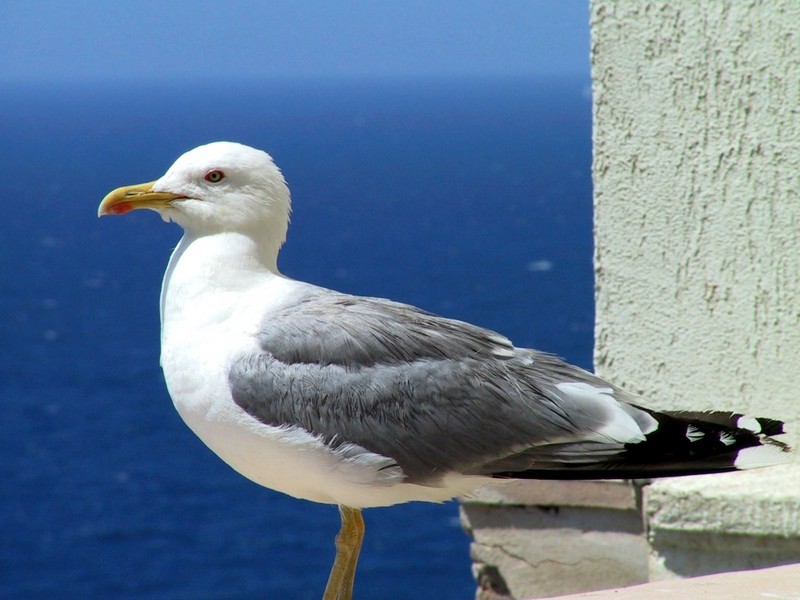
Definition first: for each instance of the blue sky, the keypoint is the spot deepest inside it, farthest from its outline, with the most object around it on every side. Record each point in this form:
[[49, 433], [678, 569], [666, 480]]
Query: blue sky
[[100, 40]]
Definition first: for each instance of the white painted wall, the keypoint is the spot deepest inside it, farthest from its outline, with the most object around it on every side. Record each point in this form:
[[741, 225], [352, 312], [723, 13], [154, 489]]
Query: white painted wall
[[697, 201], [697, 219]]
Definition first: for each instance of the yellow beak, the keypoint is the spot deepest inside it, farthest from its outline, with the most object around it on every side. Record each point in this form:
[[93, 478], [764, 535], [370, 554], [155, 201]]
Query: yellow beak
[[131, 197]]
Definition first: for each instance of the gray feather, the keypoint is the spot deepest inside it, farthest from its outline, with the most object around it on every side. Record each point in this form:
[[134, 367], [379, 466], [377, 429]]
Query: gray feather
[[435, 395]]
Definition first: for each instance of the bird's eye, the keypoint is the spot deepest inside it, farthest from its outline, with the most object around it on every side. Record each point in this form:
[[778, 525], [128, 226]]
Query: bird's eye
[[214, 176]]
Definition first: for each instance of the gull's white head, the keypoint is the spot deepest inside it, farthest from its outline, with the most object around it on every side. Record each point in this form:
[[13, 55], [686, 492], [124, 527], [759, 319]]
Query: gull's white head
[[216, 188]]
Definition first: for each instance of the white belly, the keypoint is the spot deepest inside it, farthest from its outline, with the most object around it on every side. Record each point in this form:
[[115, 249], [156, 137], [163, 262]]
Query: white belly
[[292, 461], [286, 459], [208, 324]]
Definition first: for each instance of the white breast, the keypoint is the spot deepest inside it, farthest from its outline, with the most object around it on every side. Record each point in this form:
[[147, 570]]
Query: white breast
[[211, 313]]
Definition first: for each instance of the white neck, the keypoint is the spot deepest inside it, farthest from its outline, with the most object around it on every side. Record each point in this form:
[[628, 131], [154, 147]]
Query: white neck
[[210, 265]]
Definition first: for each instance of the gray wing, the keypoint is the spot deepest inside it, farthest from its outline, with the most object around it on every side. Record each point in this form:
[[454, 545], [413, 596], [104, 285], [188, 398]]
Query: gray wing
[[433, 394]]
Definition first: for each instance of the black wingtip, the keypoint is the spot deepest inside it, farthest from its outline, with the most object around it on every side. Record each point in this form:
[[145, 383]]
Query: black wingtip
[[770, 427], [683, 443]]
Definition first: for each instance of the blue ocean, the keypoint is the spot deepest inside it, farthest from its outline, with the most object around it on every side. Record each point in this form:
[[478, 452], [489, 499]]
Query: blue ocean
[[469, 198]]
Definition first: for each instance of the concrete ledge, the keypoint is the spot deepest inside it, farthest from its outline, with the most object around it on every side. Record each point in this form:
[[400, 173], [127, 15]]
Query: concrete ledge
[[712, 524], [619, 495], [543, 538], [759, 502], [538, 539], [776, 583]]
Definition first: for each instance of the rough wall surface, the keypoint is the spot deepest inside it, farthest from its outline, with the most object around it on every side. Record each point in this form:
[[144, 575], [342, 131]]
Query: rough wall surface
[[697, 202], [697, 233]]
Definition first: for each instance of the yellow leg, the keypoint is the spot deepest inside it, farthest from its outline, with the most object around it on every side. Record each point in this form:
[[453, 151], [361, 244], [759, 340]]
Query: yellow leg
[[348, 547]]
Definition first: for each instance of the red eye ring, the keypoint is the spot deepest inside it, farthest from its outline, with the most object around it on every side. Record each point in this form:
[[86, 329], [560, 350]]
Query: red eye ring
[[214, 176]]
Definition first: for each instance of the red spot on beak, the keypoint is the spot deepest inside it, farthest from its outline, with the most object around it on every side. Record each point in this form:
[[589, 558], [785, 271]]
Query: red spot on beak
[[121, 208]]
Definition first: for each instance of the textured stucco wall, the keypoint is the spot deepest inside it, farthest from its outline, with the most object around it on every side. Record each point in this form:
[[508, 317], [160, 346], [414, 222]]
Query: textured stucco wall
[[697, 202], [697, 233]]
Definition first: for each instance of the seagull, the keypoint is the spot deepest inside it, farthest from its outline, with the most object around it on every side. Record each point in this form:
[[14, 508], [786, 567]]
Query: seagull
[[364, 402]]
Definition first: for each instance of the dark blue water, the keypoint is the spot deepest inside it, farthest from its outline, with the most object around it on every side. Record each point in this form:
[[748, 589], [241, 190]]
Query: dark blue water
[[469, 199]]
